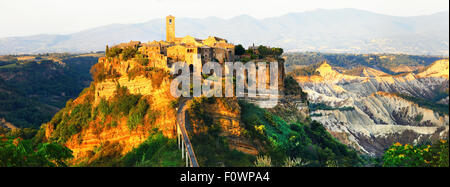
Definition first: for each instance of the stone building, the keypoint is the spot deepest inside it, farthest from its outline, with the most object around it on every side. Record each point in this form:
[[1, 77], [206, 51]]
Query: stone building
[[170, 28], [185, 49]]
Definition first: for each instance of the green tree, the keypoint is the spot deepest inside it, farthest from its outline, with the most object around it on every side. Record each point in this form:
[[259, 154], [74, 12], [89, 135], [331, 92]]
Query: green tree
[[107, 49], [277, 51], [239, 50], [15, 152], [113, 52]]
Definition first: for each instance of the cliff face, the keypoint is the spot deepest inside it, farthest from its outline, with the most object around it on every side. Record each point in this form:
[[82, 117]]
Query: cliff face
[[103, 130], [95, 135], [364, 109]]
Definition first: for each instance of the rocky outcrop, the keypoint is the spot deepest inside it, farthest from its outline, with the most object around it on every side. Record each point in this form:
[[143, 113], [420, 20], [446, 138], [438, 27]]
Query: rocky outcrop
[[437, 69], [5, 124]]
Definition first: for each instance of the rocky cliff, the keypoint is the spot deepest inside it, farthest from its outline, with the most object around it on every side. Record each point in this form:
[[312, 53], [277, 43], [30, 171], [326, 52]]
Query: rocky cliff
[[124, 104]]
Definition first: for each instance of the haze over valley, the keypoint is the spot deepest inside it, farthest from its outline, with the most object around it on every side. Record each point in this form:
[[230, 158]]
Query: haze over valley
[[338, 31]]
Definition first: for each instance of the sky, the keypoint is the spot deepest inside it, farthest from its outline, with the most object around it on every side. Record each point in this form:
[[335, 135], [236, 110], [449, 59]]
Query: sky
[[31, 17]]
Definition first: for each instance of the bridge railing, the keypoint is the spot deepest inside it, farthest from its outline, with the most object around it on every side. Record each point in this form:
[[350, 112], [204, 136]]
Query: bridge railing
[[184, 143]]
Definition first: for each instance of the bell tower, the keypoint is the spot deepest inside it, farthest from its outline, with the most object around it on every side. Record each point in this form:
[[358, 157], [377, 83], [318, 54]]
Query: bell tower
[[170, 28]]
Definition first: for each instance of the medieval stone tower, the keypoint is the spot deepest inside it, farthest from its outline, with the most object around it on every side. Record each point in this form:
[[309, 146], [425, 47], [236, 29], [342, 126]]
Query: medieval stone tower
[[170, 28]]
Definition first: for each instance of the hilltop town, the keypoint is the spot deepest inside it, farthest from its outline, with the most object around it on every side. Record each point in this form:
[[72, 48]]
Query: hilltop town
[[162, 54], [175, 49]]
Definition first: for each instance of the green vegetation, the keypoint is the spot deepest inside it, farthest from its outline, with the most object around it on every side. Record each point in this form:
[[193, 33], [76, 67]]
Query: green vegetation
[[308, 142], [427, 155], [36, 89], [113, 52], [15, 151], [123, 101], [126, 53], [266, 51], [430, 104], [321, 106], [129, 52], [125, 104], [25, 133], [261, 52], [72, 118], [291, 87], [211, 149], [70, 123], [156, 151], [284, 144], [239, 50], [137, 114], [22, 111]]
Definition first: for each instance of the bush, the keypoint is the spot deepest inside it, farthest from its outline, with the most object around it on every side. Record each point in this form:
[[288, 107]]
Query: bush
[[123, 101], [70, 120], [15, 152], [156, 151], [104, 109], [436, 155], [239, 50], [137, 114], [129, 53], [113, 52]]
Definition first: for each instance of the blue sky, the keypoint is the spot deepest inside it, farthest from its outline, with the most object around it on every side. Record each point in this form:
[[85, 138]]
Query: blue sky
[[29, 17]]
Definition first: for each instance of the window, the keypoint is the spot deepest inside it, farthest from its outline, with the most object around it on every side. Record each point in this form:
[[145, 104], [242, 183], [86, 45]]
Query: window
[[170, 21]]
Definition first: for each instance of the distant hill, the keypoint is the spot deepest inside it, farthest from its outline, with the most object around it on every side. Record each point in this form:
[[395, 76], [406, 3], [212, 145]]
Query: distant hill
[[341, 30], [389, 63], [34, 88]]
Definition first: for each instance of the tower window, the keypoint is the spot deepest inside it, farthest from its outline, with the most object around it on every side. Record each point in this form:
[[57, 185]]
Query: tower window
[[170, 21]]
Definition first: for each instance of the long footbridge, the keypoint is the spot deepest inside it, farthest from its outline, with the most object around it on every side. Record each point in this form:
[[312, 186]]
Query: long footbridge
[[184, 143]]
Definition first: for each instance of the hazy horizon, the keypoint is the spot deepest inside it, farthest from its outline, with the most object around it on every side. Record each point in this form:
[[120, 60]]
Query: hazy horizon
[[28, 17]]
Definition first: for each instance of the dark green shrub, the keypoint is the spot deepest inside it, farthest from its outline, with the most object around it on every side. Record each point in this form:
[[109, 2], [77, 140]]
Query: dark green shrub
[[137, 114], [113, 52], [129, 53], [156, 151]]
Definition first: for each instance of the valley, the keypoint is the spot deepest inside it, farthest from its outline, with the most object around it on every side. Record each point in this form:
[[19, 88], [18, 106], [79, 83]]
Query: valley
[[370, 109], [34, 87]]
